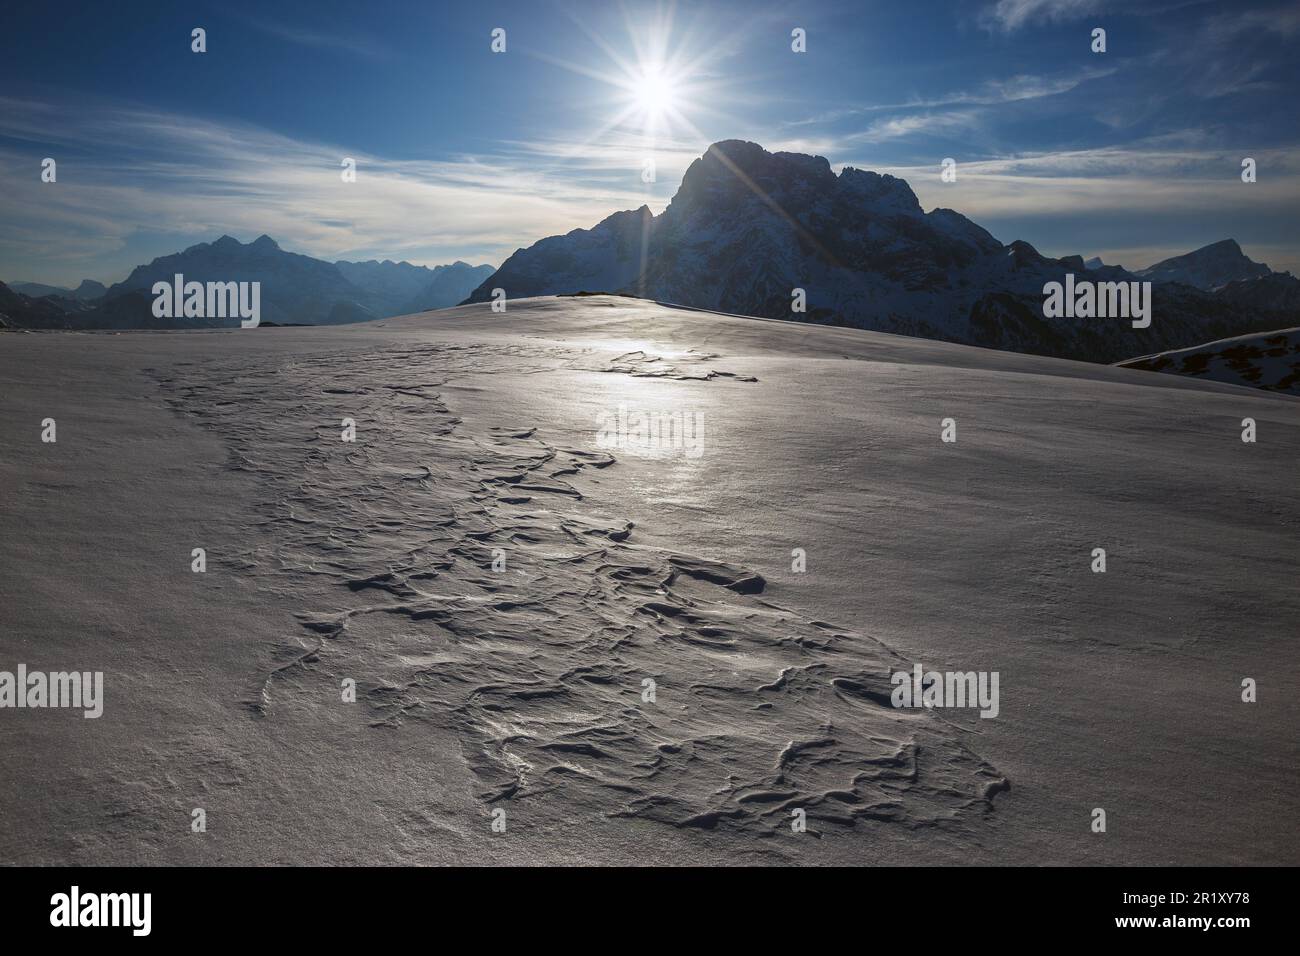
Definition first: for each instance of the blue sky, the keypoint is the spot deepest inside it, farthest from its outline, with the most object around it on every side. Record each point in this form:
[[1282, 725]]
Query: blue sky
[[462, 153]]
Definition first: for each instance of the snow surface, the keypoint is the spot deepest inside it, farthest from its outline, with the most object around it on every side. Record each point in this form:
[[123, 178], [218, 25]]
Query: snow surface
[[522, 690]]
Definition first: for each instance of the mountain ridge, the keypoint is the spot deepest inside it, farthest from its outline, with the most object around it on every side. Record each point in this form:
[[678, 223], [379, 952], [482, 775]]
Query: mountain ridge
[[1209, 268], [296, 289], [747, 227]]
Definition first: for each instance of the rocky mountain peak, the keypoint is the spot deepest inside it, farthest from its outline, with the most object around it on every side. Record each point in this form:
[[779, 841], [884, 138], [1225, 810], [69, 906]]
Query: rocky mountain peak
[[1209, 267]]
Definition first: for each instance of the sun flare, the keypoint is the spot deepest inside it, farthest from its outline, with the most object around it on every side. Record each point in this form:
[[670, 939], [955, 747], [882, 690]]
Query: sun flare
[[655, 92], [659, 84]]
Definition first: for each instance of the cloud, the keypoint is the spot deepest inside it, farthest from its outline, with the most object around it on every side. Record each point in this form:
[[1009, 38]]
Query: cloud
[[953, 111], [1245, 51], [125, 171], [1133, 204], [618, 155], [1013, 14], [354, 44], [1225, 27], [1151, 176], [899, 127]]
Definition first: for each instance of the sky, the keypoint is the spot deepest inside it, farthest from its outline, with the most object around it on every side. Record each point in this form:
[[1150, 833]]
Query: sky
[[461, 152]]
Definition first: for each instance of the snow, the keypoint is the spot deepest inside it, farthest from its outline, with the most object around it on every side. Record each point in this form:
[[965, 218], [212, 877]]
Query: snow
[[1268, 360], [522, 690]]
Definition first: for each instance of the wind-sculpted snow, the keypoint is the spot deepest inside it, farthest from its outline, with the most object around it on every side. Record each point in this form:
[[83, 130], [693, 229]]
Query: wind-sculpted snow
[[649, 677], [593, 673]]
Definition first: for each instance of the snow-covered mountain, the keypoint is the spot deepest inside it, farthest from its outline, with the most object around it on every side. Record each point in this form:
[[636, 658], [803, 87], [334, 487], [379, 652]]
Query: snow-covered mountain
[[747, 227], [1267, 360], [1210, 267], [605, 257]]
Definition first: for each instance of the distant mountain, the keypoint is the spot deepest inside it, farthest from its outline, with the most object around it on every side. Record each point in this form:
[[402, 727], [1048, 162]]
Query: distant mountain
[[1210, 267], [131, 310], [449, 286], [38, 289], [295, 289], [1267, 360], [23, 311], [747, 227], [397, 288], [88, 290]]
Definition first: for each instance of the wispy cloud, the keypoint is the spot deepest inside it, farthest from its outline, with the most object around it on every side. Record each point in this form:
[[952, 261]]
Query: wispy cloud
[[1011, 89], [125, 171], [1125, 202], [1010, 15], [1147, 177], [1014, 14], [354, 44], [899, 127]]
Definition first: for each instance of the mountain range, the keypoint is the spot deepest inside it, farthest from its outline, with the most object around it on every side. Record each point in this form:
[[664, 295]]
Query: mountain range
[[747, 227], [88, 290], [296, 289]]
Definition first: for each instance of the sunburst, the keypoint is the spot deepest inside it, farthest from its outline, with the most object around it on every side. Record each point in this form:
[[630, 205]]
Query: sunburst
[[656, 87]]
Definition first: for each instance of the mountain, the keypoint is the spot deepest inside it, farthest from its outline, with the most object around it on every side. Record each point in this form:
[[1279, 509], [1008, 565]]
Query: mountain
[[1275, 292], [23, 311], [1267, 360], [1210, 267], [605, 257], [295, 289], [398, 288], [747, 227], [449, 286], [38, 289], [88, 290], [131, 310]]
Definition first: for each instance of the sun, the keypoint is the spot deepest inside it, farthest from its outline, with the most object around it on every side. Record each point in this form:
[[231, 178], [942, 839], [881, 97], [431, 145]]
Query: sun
[[654, 92], [658, 84]]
